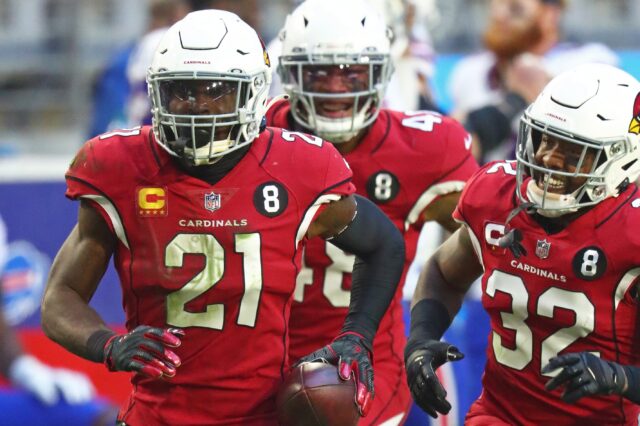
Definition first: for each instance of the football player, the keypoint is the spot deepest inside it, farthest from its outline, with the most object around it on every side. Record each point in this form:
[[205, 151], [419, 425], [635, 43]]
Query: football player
[[206, 213], [413, 165], [550, 235]]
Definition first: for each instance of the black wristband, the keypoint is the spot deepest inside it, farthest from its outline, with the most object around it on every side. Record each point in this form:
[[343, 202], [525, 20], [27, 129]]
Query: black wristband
[[96, 343], [429, 320], [633, 383]]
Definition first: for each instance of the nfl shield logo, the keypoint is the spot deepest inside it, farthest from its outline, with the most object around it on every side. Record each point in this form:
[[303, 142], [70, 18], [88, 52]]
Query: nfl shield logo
[[542, 249], [212, 201]]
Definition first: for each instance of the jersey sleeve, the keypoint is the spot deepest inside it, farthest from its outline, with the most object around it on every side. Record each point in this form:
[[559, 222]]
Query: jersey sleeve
[[82, 175], [490, 189], [458, 164], [462, 210], [316, 173], [448, 164], [98, 174], [338, 183], [277, 114], [315, 167], [339, 174], [106, 164], [83, 182]]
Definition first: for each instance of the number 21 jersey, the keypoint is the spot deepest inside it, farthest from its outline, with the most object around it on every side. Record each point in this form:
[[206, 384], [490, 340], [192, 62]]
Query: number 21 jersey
[[219, 261]]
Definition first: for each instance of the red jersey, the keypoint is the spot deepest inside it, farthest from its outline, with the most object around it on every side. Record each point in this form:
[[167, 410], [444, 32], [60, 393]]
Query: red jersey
[[219, 261], [404, 163], [571, 292]]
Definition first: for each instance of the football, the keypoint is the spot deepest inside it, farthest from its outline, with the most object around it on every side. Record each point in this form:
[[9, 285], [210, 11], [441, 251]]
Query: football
[[313, 395]]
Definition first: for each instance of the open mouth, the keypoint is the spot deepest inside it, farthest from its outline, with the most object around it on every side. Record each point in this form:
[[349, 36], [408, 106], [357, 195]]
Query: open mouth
[[335, 109], [556, 184]]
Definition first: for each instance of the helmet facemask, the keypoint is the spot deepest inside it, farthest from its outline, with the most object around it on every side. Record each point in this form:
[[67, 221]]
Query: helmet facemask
[[202, 116], [574, 179], [334, 95]]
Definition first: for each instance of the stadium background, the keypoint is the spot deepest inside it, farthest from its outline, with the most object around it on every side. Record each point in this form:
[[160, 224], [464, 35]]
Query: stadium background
[[50, 54]]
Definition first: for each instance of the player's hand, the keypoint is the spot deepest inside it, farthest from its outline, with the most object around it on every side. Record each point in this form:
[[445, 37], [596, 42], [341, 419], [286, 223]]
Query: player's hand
[[352, 354], [144, 350], [421, 367], [585, 374], [47, 384]]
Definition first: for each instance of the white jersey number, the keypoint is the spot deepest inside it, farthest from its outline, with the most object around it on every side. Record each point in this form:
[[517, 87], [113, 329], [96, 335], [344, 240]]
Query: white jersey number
[[310, 139], [519, 357], [205, 244], [341, 263], [422, 120]]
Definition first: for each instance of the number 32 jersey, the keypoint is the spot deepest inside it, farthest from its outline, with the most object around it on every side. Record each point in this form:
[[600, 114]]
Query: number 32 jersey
[[573, 291], [404, 163], [219, 261]]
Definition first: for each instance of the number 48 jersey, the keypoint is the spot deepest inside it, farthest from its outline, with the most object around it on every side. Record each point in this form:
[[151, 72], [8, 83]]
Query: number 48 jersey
[[572, 291], [404, 163], [219, 261]]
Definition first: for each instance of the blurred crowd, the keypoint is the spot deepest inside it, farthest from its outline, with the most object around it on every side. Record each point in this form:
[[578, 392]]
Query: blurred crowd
[[73, 53]]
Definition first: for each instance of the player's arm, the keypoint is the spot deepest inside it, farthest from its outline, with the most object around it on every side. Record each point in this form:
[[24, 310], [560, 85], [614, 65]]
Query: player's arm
[[441, 209], [68, 319], [379, 250], [77, 269], [439, 293], [10, 347]]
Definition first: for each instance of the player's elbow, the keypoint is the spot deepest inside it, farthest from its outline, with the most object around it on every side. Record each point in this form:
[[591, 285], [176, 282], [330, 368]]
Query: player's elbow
[[48, 314], [45, 315], [394, 248]]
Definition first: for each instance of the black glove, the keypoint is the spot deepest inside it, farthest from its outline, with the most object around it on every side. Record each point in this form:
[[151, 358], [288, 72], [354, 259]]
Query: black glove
[[421, 365], [585, 374], [144, 350], [352, 354]]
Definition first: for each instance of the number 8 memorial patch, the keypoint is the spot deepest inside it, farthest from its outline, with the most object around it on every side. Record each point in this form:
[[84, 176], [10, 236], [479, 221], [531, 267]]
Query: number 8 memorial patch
[[270, 199], [589, 263], [382, 187]]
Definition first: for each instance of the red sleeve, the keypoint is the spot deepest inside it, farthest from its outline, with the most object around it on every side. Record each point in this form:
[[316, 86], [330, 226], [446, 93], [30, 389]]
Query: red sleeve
[[102, 169], [106, 164], [444, 150], [277, 114], [81, 175], [83, 179], [339, 174], [314, 169], [460, 212], [458, 163]]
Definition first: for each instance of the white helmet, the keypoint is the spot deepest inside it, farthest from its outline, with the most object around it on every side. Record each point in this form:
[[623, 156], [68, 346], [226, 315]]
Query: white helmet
[[335, 33], [594, 111], [216, 53]]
